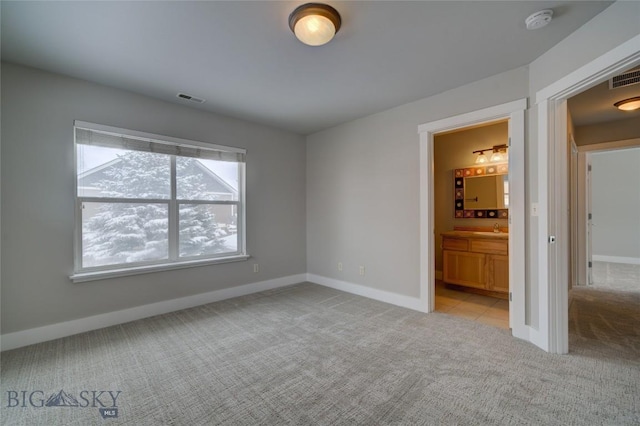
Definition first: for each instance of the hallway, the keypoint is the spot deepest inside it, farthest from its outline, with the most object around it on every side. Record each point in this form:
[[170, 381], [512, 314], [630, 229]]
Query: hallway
[[604, 323]]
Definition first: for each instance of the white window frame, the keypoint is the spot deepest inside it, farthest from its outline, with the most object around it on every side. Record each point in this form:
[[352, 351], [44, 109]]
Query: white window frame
[[174, 261]]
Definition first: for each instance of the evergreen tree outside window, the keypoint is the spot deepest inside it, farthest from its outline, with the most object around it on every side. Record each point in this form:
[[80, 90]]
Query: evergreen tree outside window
[[145, 200]]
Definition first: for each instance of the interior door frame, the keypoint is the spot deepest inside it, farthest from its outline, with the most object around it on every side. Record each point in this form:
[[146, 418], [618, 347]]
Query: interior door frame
[[514, 112], [574, 222], [553, 225], [584, 199]]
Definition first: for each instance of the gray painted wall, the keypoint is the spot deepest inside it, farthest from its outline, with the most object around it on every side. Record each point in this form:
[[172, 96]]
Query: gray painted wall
[[607, 132], [38, 110], [615, 190], [612, 27], [362, 186]]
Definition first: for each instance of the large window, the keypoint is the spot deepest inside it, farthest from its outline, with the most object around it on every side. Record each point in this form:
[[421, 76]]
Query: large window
[[146, 201]]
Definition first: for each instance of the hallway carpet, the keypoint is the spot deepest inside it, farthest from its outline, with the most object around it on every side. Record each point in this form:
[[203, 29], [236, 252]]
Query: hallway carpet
[[310, 355], [605, 323]]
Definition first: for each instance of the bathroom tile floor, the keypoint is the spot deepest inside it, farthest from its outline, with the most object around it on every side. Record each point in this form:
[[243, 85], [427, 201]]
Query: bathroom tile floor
[[476, 307]]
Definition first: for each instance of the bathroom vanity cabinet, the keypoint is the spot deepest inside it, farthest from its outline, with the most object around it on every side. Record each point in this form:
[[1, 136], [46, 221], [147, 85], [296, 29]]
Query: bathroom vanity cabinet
[[478, 260]]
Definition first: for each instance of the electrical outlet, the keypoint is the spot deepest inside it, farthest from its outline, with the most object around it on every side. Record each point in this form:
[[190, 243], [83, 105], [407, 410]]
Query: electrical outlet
[[339, 266], [361, 270], [256, 268]]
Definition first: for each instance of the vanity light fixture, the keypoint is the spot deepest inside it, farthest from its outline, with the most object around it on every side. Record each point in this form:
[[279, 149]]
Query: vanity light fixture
[[630, 104], [315, 24], [499, 153]]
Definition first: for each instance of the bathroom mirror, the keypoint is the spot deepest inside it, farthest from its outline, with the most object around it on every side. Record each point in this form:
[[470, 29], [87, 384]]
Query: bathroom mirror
[[482, 192], [486, 192]]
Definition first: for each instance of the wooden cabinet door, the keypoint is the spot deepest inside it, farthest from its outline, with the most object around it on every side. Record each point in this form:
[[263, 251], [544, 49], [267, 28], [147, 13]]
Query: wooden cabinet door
[[464, 268], [498, 273]]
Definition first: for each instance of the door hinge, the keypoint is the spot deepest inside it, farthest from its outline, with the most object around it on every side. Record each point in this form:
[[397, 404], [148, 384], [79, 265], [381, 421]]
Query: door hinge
[[590, 264], [509, 142], [510, 297], [590, 216], [589, 168]]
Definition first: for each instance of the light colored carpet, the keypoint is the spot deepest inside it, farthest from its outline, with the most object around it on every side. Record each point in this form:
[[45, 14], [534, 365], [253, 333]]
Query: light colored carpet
[[605, 324], [310, 355]]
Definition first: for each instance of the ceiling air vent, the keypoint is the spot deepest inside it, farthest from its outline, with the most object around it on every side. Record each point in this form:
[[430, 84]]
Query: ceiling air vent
[[624, 80], [190, 98]]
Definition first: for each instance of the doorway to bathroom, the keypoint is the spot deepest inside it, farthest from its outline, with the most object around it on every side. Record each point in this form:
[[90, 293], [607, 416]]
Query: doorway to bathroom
[[471, 204], [513, 115]]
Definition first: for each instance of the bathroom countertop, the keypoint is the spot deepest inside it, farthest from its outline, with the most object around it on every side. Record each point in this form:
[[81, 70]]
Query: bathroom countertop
[[477, 234]]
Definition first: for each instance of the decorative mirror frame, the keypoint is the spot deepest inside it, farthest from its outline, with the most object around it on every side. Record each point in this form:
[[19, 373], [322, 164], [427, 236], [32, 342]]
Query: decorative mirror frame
[[458, 179]]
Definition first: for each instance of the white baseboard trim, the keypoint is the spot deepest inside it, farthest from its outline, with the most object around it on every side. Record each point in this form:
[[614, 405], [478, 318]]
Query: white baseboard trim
[[371, 293], [22, 338], [616, 259]]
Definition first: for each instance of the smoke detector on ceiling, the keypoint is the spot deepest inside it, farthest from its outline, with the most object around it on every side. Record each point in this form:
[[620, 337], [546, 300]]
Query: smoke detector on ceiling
[[190, 98], [539, 19]]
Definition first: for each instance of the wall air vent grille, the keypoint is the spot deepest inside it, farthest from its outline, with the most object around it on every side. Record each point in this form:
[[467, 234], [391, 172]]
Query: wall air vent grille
[[624, 80], [190, 98]]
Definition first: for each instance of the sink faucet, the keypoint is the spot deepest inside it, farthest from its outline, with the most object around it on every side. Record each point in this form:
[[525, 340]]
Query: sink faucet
[[496, 228]]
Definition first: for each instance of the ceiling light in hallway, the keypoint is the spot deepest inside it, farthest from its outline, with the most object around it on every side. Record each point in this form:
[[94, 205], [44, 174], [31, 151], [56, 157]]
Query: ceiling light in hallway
[[630, 104]]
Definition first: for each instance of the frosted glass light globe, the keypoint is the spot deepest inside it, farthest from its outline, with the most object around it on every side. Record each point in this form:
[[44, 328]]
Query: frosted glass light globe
[[496, 156], [315, 24], [481, 159], [315, 30]]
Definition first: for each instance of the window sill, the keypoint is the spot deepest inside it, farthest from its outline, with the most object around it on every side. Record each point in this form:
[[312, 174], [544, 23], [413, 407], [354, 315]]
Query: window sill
[[114, 273]]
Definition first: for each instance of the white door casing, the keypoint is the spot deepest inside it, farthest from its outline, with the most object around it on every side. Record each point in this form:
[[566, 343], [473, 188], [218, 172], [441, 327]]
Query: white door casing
[[514, 112]]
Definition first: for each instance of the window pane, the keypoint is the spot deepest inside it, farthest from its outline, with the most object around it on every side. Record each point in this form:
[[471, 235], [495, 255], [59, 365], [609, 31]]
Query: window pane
[[118, 173], [120, 233], [207, 229], [206, 179]]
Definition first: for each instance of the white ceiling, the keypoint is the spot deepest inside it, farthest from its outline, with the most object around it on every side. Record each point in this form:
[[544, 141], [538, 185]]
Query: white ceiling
[[244, 61]]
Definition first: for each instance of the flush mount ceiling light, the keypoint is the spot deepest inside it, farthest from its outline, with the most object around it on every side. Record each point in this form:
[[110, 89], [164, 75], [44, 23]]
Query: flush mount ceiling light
[[315, 24], [630, 104], [539, 19]]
